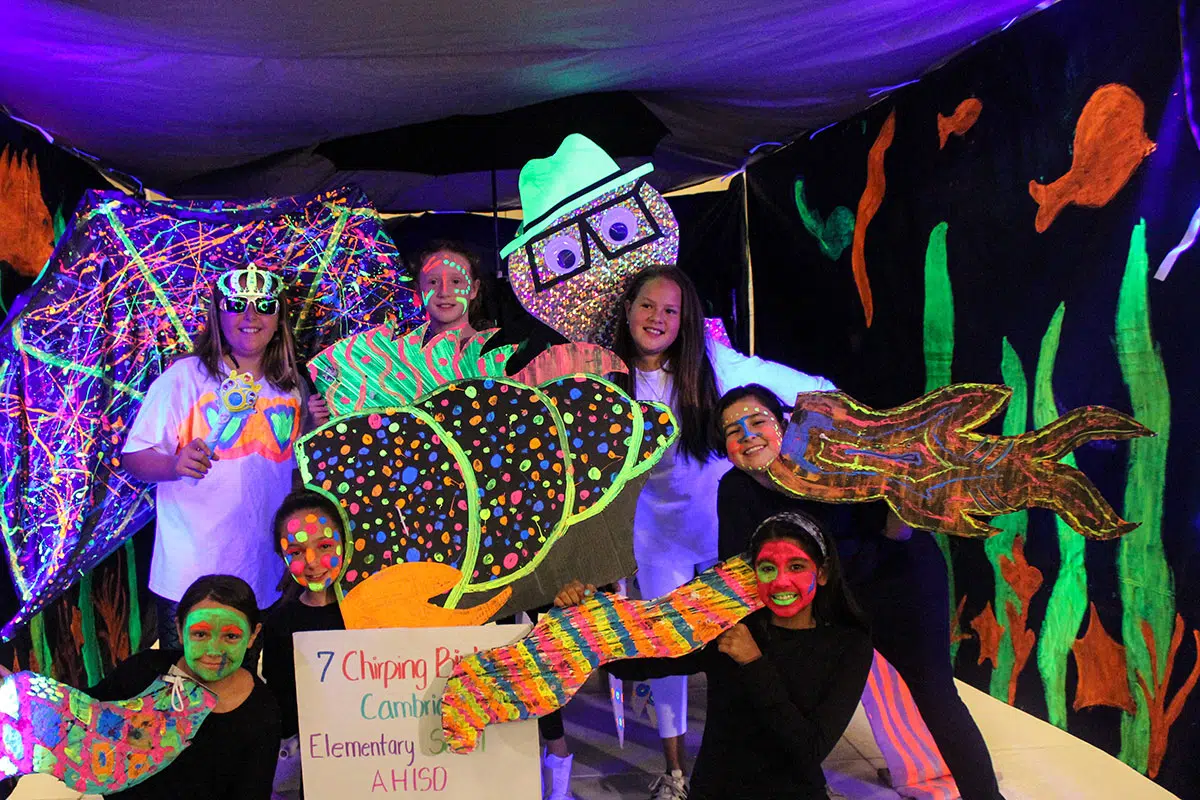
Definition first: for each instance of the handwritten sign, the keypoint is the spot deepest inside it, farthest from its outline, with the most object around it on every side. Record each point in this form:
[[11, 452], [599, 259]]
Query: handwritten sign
[[370, 714]]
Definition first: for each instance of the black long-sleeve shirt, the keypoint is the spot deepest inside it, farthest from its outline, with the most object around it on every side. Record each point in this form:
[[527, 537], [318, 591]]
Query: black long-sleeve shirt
[[773, 721], [232, 755], [279, 660]]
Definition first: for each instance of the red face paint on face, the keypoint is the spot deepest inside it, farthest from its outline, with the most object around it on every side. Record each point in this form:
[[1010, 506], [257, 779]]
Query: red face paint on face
[[787, 577]]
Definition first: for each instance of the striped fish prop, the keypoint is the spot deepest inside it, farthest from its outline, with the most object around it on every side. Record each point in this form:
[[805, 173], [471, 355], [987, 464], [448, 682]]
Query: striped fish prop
[[540, 673]]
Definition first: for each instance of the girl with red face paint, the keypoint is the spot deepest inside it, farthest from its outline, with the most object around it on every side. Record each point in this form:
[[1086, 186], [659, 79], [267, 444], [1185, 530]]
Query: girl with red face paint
[[308, 536], [784, 683], [898, 575], [660, 335]]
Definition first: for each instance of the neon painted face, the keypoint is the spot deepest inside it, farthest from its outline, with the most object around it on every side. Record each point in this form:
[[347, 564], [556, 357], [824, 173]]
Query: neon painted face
[[250, 331], [654, 316], [215, 638], [787, 577], [312, 548], [447, 289], [752, 435]]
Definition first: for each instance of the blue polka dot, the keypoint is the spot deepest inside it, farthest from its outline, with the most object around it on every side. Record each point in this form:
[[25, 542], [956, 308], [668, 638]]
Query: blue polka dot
[[380, 537], [496, 460], [413, 554], [575, 394], [408, 475], [538, 506], [602, 447]]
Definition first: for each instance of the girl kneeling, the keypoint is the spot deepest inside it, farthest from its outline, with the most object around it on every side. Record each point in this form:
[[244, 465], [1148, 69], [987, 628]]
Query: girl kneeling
[[783, 684]]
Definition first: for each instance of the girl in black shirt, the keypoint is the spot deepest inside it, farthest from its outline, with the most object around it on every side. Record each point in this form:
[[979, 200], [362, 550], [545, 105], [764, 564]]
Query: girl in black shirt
[[232, 755], [308, 536], [782, 685], [897, 574]]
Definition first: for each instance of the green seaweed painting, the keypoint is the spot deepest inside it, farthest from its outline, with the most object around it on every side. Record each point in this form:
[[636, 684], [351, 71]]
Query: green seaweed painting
[[1149, 620], [1068, 597], [1011, 526], [833, 235], [939, 356]]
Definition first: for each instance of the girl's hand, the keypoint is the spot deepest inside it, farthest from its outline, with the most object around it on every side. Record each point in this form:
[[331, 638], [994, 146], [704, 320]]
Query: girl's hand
[[573, 594], [738, 643], [896, 529], [195, 460], [318, 409]]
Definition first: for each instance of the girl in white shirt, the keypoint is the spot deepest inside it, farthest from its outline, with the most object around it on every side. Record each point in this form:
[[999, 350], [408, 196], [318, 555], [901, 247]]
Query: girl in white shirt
[[660, 335], [218, 483]]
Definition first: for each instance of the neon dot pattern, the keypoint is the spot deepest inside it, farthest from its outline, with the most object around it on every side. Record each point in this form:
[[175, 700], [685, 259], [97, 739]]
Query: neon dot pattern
[[482, 473]]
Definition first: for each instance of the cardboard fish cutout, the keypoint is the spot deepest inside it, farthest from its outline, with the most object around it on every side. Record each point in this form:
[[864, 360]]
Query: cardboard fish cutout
[[926, 460], [95, 747], [540, 673]]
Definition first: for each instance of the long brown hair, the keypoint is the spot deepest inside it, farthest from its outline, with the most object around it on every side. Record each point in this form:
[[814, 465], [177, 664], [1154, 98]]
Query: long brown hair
[[279, 360], [477, 310], [695, 383]]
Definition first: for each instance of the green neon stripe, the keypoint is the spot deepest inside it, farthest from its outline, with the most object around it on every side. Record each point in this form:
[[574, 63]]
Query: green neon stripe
[[67, 364], [1011, 525], [1068, 598], [91, 642], [135, 603], [1146, 583]]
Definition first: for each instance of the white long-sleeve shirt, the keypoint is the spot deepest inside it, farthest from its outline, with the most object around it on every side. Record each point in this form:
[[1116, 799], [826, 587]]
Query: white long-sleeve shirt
[[676, 517]]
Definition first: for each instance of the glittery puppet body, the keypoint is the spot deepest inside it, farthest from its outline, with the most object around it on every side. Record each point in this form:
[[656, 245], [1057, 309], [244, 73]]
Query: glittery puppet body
[[457, 479], [540, 673], [95, 747], [936, 473], [572, 275]]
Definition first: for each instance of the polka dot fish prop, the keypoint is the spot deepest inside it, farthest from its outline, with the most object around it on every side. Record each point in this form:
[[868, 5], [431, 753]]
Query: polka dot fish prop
[[589, 229], [457, 480], [95, 747]]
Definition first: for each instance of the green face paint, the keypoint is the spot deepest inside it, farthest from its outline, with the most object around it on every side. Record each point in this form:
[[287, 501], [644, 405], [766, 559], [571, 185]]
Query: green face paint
[[215, 641]]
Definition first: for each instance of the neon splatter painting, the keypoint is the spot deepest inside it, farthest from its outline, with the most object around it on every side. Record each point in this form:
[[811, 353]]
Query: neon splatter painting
[[126, 291]]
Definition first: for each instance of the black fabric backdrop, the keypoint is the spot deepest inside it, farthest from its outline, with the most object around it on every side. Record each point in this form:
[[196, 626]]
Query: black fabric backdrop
[[1033, 80]]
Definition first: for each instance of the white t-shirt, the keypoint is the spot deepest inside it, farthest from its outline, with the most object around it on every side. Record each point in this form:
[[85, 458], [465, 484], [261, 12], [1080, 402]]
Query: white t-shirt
[[220, 524], [676, 517]]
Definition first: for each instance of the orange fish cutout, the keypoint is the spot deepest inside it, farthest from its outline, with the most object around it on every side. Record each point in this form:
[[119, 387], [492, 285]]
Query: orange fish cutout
[[1110, 143], [960, 121], [398, 597], [26, 229], [868, 204]]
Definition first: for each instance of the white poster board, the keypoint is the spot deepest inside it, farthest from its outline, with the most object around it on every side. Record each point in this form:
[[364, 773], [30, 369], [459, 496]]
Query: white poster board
[[369, 704]]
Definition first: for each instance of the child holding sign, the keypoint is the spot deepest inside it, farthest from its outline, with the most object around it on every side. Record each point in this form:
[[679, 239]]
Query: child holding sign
[[308, 535], [215, 433]]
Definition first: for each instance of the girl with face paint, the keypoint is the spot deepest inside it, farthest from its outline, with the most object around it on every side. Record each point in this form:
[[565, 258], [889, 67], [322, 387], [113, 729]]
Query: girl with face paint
[[898, 575], [309, 539], [449, 284], [232, 756], [660, 335], [783, 684]]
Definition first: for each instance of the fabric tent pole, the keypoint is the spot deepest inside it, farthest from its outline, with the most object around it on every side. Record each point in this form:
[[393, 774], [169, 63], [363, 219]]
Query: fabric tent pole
[[496, 227]]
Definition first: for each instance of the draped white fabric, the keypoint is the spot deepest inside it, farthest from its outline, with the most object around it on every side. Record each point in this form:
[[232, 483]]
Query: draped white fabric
[[168, 90]]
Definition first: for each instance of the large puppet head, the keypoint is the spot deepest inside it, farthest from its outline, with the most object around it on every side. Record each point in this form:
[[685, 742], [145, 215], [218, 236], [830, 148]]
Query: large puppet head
[[588, 229]]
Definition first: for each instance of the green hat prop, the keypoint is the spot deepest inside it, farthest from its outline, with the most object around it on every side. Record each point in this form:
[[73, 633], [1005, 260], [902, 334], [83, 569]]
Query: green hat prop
[[577, 173]]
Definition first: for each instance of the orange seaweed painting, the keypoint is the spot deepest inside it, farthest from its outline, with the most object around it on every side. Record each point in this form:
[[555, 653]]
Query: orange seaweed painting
[[26, 229], [1110, 143], [868, 205]]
